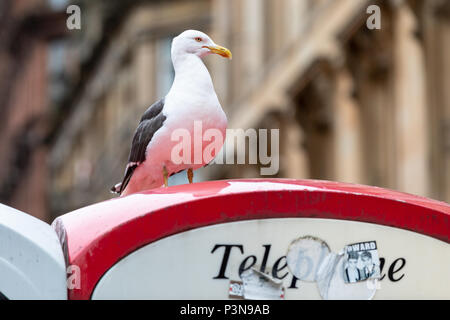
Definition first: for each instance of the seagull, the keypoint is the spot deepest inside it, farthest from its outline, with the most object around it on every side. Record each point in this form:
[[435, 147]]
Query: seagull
[[191, 99]]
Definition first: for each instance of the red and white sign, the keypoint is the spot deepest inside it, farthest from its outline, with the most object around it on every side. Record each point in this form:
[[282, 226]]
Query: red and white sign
[[192, 241]]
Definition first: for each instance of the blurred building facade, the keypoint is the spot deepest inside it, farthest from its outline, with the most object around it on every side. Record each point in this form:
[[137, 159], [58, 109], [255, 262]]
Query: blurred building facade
[[352, 104], [26, 30]]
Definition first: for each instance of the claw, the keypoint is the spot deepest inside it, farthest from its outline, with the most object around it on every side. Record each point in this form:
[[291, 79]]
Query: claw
[[166, 177], [190, 174]]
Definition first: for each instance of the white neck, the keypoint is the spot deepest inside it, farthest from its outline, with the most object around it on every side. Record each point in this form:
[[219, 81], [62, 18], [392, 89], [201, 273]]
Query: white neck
[[191, 74]]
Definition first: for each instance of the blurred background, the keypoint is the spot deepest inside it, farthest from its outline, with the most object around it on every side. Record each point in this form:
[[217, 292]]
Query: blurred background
[[352, 104]]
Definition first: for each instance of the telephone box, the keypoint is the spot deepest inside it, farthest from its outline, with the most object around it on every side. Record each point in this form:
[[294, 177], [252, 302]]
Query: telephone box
[[32, 264], [259, 239]]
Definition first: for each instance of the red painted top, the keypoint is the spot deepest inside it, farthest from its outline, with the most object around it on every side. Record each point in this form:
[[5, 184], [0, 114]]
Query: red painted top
[[96, 237]]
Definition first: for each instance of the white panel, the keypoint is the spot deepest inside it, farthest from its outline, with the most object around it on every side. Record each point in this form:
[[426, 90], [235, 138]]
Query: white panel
[[31, 260], [183, 267]]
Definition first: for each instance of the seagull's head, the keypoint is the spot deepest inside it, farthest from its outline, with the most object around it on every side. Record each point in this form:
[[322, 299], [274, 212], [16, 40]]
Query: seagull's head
[[197, 43]]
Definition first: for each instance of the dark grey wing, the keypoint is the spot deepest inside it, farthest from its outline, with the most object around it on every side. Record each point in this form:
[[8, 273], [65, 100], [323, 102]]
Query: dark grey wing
[[152, 120], [154, 110], [143, 135]]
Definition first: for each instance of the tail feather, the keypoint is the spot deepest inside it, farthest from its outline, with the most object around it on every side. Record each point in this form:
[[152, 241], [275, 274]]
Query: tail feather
[[120, 187], [117, 188]]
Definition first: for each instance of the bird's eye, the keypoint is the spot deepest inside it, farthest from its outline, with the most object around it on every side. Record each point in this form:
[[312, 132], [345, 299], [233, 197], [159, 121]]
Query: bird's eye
[[198, 39]]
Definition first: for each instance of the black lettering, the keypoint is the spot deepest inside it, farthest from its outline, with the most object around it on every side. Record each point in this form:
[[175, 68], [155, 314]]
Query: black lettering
[[392, 271], [276, 268], [266, 256], [293, 283], [243, 266], [382, 262], [226, 256]]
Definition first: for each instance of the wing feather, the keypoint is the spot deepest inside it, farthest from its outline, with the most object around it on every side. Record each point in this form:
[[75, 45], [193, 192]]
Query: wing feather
[[151, 121]]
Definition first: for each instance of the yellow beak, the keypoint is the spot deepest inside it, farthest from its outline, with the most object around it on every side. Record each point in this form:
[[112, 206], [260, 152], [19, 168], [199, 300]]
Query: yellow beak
[[221, 51]]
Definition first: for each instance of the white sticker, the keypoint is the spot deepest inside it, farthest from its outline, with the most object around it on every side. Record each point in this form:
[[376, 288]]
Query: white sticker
[[260, 286], [333, 287], [361, 262], [305, 256], [236, 289], [310, 259]]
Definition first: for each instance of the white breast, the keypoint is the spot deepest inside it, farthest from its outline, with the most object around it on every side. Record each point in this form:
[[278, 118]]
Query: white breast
[[190, 102]]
